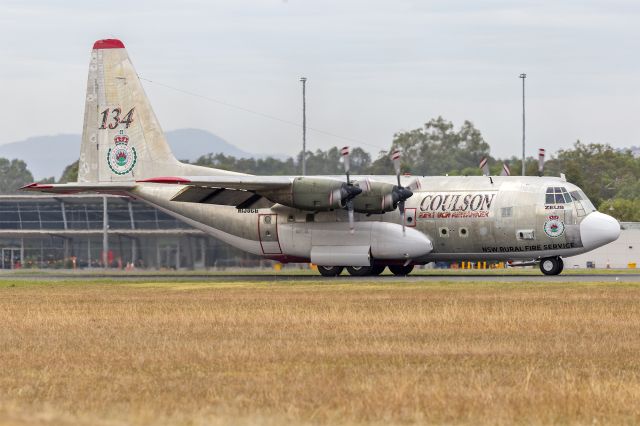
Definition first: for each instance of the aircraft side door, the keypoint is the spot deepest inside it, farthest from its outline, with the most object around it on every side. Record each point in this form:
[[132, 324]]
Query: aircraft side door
[[268, 232]]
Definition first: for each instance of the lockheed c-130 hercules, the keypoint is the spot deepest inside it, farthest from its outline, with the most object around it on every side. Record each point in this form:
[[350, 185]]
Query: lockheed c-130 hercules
[[361, 223]]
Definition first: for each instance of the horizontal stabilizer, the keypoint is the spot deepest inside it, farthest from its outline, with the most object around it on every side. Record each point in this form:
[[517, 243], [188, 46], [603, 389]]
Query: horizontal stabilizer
[[75, 187]]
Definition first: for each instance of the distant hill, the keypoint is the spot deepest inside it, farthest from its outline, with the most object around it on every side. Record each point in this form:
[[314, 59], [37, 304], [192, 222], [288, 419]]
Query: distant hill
[[48, 155], [189, 144]]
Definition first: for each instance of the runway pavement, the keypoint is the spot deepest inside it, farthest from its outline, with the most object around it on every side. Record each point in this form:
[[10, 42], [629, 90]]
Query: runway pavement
[[608, 276]]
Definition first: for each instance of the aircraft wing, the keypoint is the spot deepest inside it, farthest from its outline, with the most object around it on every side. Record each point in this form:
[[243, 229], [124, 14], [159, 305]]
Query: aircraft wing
[[246, 191], [241, 182], [243, 191]]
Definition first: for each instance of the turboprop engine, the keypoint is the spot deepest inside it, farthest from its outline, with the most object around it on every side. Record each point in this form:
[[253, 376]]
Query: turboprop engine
[[380, 197], [365, 196], [315, 194]]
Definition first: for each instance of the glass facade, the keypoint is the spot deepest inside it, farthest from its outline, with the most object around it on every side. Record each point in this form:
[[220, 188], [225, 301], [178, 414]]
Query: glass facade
[[60, 231], [82, 213]]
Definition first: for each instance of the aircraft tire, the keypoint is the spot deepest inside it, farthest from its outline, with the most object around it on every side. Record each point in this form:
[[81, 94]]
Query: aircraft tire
[[330, 271], [377, 269], [360, 271], [551, 265], [401, 270]]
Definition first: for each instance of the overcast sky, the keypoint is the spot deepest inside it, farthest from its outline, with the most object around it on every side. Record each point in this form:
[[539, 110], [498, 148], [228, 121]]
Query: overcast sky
[[374, 68]]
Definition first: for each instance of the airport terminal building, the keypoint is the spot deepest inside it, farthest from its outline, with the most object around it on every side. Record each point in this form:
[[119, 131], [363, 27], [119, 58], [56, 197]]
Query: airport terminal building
[[42, 231]]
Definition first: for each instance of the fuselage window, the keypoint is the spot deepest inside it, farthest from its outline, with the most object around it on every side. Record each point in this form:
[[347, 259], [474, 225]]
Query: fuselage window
[[507, 211]]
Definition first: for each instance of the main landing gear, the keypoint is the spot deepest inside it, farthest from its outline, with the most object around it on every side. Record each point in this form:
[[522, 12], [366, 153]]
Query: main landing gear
[[551, 265], [330, 271], [364, 271]]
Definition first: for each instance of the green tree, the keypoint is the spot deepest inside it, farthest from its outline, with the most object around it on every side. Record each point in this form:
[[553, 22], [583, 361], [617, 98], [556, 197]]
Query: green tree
[[601, 171], [329, 162], [381, 166], [621, 209], [267, 166], [438, 149], [70, 173], [13, 175]]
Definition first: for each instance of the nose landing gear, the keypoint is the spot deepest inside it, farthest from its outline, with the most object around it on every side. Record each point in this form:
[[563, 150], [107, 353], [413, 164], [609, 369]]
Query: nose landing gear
[[551, 265], [401, 270]]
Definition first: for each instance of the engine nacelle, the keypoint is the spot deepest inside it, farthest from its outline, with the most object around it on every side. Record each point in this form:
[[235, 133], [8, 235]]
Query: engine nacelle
[[313, 194], [378, 199]]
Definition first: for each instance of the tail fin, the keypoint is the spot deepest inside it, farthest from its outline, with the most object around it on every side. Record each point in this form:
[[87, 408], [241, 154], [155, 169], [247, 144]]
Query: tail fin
[[122, 140]]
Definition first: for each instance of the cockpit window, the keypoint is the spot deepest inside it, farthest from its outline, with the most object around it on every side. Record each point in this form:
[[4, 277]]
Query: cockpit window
[[582, 203], [588, 206], [557, 195]]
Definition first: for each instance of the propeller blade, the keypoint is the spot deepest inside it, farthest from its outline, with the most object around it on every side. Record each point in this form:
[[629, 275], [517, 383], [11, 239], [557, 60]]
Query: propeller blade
[[336, 194], [399, 193], [414, 185], [484, 165], [541, 153], [351, 216], [345, 159], [398, 196], [364, 184], [349, 191], [395, 157]]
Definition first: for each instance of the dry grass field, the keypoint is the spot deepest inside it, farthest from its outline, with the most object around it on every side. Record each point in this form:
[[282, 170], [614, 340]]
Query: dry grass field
[[109, 353]]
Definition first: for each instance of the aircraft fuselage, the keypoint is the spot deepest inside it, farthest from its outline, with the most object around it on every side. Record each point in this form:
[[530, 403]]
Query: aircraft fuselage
[[462, 218]]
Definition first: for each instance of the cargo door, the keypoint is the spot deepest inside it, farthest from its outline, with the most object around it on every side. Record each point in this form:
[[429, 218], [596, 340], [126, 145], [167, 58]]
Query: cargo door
[[268, 232]]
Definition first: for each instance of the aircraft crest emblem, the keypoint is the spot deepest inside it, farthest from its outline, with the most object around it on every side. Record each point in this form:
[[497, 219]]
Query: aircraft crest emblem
[[122, 157], [554, 227]]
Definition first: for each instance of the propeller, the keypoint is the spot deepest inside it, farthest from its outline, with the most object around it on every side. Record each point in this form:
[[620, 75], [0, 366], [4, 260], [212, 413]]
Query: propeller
[[349, 191], [541, 153], [399, 193]]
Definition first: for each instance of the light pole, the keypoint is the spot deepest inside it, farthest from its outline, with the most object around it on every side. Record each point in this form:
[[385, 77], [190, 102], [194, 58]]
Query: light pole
[[523, 76], [304, 125]]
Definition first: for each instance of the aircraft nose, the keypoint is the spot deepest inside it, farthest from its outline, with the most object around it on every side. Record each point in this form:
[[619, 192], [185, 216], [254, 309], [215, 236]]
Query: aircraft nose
[[598, 229]]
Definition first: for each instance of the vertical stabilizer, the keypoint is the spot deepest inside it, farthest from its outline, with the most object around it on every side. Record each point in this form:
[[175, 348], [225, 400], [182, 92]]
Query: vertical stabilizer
[[122, 139]]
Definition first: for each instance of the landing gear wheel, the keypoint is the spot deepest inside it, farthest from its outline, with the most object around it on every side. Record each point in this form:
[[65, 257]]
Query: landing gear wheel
[[330, 271], [359, 271], [401, 270], [377, 269], [551, 265]]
